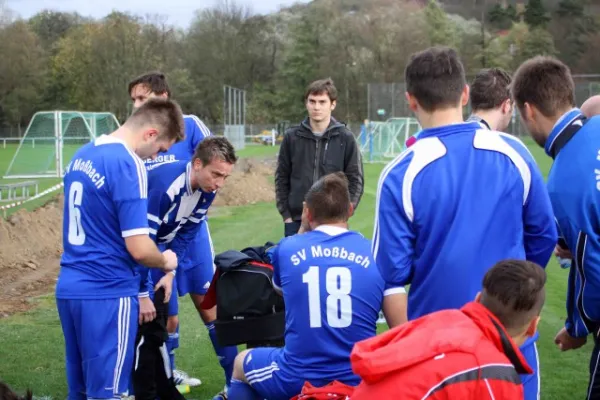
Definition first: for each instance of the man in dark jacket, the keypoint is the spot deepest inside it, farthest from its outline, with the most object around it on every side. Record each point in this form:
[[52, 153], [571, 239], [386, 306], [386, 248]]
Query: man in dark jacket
[[318, 146]]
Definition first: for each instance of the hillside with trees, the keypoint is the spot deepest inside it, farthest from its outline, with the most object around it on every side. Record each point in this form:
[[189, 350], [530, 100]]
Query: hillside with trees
[[57, 60]]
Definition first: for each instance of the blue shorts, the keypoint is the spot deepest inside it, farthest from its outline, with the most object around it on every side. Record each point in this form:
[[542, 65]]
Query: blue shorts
[[156, 275], [99, 345], [196, 270], [266, 374], [531, 383]]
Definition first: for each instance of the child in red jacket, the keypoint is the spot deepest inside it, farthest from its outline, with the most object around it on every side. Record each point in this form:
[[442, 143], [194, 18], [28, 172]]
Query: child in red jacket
[[469, 354]]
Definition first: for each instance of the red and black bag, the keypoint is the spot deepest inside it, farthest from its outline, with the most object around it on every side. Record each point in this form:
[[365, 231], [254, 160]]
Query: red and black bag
[[249, 311]]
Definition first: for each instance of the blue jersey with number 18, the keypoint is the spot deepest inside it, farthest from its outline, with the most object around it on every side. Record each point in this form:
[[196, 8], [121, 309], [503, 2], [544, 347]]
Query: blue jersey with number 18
[[105, 202], [333, 292]]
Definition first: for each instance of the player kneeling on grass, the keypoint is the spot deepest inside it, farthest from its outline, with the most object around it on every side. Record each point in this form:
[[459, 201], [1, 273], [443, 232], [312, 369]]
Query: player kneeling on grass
[[333, 293], [468, 354]]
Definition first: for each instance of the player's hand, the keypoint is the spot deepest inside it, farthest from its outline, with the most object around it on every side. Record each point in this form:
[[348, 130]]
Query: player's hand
[[170, 260], [287, 220], [147, 310], [565, 342], [561, 252], [166, 282]]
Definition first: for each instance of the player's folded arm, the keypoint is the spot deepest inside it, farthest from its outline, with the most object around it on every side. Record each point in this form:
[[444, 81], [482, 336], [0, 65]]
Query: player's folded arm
[[130, 194]]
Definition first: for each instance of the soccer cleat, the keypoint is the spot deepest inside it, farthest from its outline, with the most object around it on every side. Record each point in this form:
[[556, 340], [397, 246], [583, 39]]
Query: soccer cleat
[[220, 396], [182, 378]]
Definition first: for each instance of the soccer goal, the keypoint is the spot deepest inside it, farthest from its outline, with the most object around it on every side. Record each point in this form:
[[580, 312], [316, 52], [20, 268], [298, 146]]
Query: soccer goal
[[383, 141], [51, 140]]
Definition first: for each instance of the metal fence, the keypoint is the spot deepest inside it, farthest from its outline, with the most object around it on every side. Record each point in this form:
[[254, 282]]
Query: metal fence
[[387, 100]]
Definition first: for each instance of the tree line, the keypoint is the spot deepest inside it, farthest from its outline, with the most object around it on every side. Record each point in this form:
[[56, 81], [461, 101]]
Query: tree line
[[58, 60]]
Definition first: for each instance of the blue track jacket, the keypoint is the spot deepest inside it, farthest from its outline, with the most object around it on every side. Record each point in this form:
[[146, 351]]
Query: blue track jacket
[[574, 188], [452, 205]]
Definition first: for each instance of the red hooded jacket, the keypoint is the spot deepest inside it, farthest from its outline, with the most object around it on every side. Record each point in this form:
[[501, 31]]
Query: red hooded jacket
[[452, 354]]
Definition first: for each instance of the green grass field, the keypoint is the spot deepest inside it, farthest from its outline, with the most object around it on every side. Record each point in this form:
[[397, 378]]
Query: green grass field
[[31, 354]]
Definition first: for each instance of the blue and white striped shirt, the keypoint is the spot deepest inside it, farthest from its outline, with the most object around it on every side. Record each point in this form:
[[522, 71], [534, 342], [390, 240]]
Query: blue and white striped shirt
[[175, 210], [195, 132]]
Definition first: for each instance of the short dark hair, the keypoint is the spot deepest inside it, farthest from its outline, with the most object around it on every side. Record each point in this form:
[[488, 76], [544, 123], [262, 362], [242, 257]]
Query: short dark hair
[[163, 113], [513, 290], [546, 83], [215, 147], [436, 78], [6, 393], [322, 86], [489, 89], [329, 199], [156, 82]]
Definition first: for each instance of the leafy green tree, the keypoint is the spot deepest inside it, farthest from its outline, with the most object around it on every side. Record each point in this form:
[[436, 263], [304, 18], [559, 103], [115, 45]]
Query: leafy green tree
[[573, 29], [535, 14], [441, 30], [21, 71]]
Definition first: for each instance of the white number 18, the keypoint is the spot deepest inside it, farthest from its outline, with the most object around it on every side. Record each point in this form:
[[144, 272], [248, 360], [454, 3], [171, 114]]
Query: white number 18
[[339, 302]]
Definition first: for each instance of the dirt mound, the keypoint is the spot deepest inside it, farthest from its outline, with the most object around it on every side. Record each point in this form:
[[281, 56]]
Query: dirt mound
[[31, 242], [251, 182], [30, 247]]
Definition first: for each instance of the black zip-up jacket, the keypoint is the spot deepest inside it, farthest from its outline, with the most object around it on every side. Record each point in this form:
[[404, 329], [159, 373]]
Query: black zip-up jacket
[[305, 157]]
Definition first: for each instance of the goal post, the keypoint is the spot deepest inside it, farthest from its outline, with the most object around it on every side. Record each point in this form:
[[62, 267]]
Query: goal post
[[51, 139], [383, 141]]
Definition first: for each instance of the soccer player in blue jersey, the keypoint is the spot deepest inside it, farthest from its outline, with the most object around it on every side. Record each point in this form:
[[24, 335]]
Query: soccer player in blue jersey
[[197, 267], [333, 292], [458, 201], [178, 200], [106, 235], [544, 92]]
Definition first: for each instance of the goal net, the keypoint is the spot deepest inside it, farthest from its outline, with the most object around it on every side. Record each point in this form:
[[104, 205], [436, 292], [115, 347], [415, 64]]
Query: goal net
[[51, 140], [383, 141]]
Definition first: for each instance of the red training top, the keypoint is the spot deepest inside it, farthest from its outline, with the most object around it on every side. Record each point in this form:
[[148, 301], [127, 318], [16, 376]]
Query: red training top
[[452, 354]]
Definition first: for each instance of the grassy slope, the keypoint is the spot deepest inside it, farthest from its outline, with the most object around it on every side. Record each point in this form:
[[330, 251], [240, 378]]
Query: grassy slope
[[32, 351]]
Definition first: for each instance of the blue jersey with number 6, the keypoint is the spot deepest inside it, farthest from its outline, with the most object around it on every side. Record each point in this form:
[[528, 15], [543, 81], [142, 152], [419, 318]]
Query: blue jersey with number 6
[[105, 201], [333, 293]]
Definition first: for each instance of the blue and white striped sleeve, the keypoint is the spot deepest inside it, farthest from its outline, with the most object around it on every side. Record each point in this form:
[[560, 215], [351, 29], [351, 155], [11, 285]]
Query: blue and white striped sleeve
[[393, 235], [158, 202], [158, 205], [186, 234], [583, 289], [199, 132], [582, 304]]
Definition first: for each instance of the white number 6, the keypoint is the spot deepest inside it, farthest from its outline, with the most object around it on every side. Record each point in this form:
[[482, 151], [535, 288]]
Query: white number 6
[[76, 233]]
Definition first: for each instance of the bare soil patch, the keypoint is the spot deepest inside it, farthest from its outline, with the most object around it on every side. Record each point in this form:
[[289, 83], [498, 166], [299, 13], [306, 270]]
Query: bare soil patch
[[31, 242]]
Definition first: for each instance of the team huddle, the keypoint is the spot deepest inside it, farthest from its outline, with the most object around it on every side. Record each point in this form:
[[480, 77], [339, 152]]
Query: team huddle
[[463, 216]]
